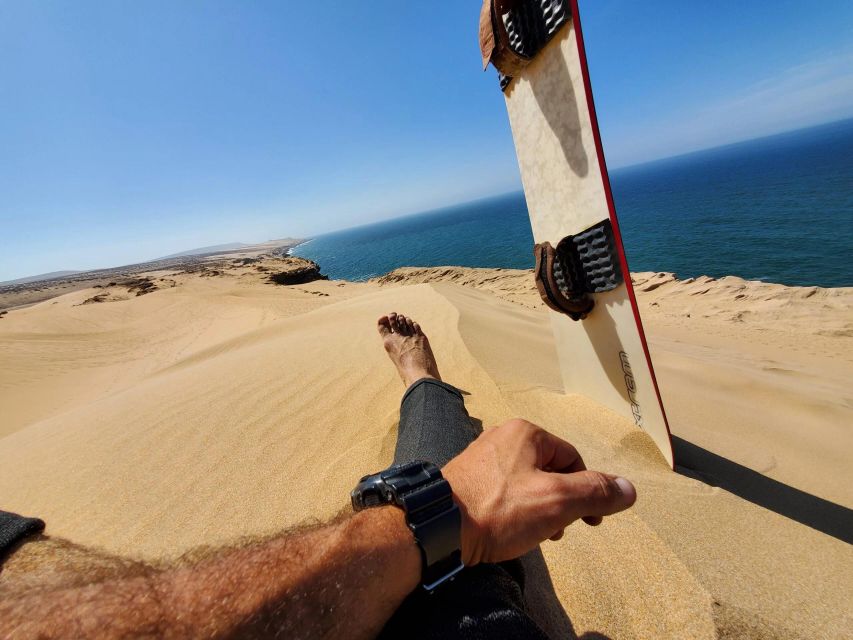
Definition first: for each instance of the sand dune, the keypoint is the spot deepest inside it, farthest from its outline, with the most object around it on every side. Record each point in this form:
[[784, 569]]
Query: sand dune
[[758, 373], [205, 404]]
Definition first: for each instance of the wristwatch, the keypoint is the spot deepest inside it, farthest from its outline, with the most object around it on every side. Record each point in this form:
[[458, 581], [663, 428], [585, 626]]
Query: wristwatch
[[420, 490]]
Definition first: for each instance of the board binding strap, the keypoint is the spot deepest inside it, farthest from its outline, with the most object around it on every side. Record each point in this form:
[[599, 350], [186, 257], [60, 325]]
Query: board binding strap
[[512, 32], [580, 265]]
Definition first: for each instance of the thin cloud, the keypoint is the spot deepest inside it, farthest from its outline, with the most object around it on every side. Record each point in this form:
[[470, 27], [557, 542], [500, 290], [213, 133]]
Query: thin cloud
[[800, 96]]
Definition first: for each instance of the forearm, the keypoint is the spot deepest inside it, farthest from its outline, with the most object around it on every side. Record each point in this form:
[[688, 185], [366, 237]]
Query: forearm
[[308, 585], [516, 485]]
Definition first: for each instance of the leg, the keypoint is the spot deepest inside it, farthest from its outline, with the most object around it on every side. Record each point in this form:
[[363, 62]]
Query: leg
[[485, 601], [434, 424]]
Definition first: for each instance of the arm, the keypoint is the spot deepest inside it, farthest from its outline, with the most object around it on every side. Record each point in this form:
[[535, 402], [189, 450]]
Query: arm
[[306, 585], [516, 486]]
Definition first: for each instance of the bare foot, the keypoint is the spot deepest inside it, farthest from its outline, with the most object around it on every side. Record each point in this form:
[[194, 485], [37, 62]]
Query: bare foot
[[408, 348]]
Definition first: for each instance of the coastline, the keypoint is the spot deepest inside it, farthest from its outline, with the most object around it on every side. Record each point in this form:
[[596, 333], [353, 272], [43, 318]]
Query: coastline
[[301, 243], [18, 295]]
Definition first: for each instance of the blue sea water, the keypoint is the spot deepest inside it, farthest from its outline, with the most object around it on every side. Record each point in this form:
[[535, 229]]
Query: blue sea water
[[778, 209]]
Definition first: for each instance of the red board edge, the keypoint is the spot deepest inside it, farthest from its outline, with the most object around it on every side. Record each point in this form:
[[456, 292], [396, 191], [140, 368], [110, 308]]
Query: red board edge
[[605, 178]]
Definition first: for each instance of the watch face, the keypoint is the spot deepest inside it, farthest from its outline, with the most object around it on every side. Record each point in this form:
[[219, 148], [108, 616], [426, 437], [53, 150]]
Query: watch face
[[369, 492], [403, 477], [388, 487], [419, 489]]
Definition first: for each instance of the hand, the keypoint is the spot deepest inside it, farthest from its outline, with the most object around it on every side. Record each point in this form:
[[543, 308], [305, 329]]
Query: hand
[[518, 485]]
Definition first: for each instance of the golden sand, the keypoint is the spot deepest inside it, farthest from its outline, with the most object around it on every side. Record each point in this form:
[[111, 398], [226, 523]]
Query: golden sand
[[149, 425]]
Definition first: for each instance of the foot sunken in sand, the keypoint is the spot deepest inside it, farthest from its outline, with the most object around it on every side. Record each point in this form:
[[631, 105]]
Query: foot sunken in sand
[[408, 348]]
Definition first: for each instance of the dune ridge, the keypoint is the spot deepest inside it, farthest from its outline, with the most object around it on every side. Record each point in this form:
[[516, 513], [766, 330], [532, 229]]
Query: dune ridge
[[205, 404]]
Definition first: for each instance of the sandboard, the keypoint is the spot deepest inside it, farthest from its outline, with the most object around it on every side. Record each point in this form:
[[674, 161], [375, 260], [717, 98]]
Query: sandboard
[[603, 356]]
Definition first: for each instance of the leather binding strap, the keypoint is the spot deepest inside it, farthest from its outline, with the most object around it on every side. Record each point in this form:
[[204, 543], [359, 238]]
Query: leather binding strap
[[556, 286], [513, 32], [495, 41]]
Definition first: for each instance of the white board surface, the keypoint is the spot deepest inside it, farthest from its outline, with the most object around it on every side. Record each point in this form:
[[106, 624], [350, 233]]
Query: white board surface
[[603, 357]]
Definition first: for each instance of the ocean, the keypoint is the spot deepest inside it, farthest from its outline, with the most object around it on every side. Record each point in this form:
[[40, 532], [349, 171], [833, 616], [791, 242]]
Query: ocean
[[776, 209]]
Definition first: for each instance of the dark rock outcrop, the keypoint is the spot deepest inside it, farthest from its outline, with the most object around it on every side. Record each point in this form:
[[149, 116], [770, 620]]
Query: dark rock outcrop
[[139, 286], [297, 271]]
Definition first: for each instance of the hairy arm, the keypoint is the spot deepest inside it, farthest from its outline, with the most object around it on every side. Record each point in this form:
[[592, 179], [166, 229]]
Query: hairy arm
[[516, 485], [308, 585]]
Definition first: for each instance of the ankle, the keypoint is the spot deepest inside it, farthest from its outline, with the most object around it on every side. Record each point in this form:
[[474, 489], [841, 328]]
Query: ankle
[[411, 378]]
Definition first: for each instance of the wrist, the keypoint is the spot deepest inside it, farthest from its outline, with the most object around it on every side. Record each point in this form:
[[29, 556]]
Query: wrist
[[470, 542], [425, 497], [384, 533]]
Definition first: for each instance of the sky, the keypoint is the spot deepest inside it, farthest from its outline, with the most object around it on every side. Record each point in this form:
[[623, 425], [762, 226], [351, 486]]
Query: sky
[[130, 131]]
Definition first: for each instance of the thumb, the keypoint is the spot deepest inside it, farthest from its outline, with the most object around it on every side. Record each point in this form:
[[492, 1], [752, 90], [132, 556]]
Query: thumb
[[592, 494]]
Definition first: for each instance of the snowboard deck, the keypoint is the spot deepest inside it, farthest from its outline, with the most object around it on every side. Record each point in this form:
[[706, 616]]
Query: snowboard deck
[[604, 356]]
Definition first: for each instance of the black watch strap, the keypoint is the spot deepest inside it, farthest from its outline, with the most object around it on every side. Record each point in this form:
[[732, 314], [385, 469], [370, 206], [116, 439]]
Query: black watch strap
[[432, 515], [436, 522]]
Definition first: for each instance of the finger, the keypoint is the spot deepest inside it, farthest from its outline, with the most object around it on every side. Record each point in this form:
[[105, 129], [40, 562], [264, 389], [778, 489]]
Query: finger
[[557, 455], [411, 326], [590, 495], [392, 321], [417, 328]]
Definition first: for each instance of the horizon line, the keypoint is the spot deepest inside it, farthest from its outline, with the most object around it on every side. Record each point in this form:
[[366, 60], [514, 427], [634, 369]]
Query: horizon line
[[472, 200]]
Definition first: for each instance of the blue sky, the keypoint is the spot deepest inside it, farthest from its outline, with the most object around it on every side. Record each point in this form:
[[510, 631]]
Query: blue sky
[[133, 130]]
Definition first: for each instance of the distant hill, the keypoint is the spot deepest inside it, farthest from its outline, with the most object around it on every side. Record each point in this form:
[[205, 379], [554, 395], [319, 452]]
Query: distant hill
[[268, 246], [41, 276], [216, 248]]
